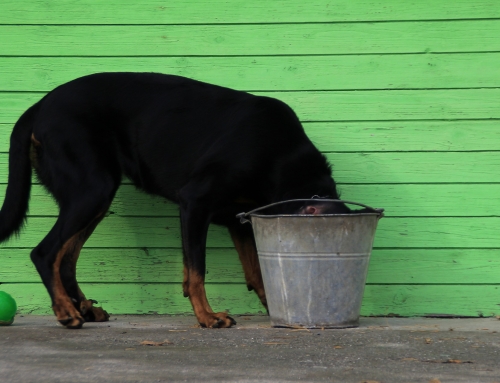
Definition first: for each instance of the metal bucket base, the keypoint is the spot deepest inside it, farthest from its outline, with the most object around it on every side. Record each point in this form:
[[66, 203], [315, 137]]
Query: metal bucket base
[[327, 326]]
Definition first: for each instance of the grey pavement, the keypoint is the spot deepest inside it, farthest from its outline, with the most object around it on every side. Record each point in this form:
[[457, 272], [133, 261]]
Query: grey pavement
[[173, 349]]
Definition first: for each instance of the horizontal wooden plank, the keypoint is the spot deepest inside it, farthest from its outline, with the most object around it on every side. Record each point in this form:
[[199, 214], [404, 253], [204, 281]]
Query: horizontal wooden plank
[[403, 135], [203, 11], [401, 168], [434, 266], [393, 104], [128, 202], [417, 200], [446, 200], [140, 265], [374, 136], [347, 105], [423, 167], [152, 298], [249, 40], [379, 300], [466, 300], [12, 105], [387, 266], [277, 73], [411, 232], [439, 232]]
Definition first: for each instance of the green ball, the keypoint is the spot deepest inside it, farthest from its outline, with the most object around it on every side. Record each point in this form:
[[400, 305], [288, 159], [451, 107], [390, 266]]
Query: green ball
[[8, 308]]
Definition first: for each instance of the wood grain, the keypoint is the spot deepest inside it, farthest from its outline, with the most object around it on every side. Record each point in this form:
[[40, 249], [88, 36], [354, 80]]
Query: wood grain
[[405, 136], [424, 300], [236, 11], [143, 265], [271, 73], [151, 298], [411, 232], [400, 167], [435, 200], [416, 167], [391, 136], [349, 105], [251, 39], [416, 200], [379, 300], [393, 104]]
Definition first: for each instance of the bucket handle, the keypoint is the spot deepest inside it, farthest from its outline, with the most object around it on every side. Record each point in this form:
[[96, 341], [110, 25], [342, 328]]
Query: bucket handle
[[242, 216]]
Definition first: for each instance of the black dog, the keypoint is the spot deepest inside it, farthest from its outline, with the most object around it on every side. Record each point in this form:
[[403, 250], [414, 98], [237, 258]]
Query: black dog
[[214, 151]]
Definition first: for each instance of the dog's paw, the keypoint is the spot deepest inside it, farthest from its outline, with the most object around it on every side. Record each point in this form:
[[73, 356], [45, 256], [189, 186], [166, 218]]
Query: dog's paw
[[72, 323], [91, 313], [218, 320], [68, 316], [96, 314]]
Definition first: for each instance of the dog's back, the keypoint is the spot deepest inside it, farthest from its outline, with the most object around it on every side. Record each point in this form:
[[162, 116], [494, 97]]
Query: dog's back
[[165, 129]]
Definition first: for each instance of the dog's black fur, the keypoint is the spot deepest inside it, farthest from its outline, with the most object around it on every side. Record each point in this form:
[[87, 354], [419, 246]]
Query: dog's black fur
[[214, 151]]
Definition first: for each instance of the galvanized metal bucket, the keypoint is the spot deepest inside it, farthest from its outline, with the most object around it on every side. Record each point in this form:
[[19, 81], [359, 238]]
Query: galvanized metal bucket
[[314, 267]]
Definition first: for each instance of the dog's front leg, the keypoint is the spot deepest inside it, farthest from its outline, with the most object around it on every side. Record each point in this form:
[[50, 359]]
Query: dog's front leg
[[194, 225], [242, 236]]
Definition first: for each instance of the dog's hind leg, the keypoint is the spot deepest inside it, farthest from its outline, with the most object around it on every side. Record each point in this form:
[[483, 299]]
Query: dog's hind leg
[[68, 277], [83, 177], [78, 163], [244, 243], [55, 259]]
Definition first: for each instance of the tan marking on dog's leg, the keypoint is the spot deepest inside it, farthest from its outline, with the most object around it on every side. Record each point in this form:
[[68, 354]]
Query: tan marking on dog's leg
[[63, 307], [86, 305], [249, 259], [197, 295]]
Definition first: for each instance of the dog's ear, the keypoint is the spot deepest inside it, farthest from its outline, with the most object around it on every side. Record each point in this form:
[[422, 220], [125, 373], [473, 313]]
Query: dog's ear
[[314, 208], [310, 210]]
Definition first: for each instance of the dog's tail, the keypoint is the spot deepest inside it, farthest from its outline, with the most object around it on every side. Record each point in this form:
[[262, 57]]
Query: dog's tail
[[15, 205]]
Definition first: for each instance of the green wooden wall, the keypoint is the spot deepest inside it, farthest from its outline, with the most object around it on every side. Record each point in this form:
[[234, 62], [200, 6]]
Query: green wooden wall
[[402, 96]]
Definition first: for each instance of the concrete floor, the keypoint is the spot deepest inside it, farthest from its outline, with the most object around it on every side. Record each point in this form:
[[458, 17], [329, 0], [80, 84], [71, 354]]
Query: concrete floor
[[37, 349]]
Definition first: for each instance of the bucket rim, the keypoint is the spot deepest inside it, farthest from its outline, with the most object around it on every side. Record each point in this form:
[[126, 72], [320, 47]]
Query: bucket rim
[[379, 212], [312, 215]]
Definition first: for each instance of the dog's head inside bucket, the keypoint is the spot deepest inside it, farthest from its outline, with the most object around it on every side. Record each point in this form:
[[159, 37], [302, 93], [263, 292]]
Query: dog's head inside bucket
[[314, 263]]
